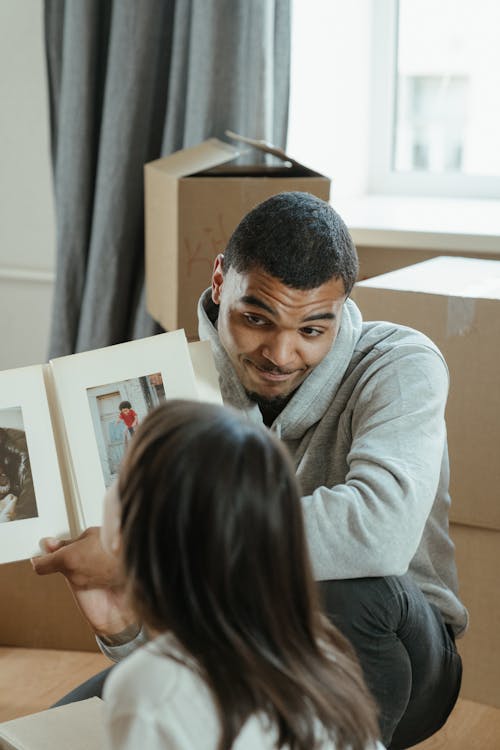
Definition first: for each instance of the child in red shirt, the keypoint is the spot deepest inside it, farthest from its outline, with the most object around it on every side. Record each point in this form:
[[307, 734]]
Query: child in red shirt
[[128, 416]]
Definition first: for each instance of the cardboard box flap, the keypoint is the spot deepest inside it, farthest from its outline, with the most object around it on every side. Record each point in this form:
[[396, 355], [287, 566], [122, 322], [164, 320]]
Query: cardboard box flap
[[210, 159], [204, 156], [473, 278], [265, 147], [259, 159]]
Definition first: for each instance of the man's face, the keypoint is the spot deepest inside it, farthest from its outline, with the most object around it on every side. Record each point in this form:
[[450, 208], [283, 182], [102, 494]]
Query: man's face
[[274, 335]]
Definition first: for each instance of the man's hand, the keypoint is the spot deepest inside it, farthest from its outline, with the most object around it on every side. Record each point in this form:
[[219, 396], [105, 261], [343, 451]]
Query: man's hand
[[93, 576]]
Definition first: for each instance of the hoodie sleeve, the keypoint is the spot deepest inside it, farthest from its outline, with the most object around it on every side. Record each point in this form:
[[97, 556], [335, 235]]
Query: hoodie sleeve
[[372, 524]]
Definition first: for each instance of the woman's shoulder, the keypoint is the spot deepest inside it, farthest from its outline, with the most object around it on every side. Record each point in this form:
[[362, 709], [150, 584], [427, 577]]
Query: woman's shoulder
[[152, 674], [155, 694]]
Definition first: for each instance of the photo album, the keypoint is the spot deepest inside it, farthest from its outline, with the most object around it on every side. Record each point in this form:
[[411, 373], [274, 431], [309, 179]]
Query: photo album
[[65, 426]]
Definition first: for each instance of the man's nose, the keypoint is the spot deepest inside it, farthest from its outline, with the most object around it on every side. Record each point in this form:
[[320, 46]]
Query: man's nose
[[280, 350]]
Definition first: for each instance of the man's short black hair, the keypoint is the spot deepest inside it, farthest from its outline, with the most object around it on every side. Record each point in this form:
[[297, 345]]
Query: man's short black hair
[[297, 238], [124, 405]]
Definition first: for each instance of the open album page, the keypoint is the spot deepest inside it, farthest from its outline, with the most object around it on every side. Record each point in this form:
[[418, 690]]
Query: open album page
[[32, 503], [207, 377], [103, 396]]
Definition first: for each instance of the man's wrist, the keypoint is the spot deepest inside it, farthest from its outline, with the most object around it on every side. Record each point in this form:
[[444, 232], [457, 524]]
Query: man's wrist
[[120, 639]]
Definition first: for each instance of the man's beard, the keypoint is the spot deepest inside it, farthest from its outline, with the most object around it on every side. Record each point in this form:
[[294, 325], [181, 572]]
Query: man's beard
[[273, 405]]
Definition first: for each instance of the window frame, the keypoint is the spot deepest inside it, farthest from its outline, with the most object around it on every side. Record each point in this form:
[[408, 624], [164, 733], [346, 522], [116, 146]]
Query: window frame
[[382, 179]]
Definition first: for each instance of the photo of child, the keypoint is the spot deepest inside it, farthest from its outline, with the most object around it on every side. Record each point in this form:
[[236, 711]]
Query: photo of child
[[128, 416], [17, 496], [116, 410]]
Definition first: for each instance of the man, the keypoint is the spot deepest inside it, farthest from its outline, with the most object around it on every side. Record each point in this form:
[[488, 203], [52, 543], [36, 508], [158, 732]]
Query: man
[[361, 408]]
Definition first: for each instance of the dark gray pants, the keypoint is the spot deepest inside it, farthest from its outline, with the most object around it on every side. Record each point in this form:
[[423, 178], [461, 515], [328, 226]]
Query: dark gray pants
[[407, 653], [92, 688]]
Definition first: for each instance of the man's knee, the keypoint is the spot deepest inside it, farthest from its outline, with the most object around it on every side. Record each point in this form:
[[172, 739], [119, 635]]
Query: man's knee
[[401, 642], [368, 605]]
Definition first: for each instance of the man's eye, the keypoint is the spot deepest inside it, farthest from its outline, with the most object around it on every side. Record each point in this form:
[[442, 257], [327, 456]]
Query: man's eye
[[311, 332], [254, 320]]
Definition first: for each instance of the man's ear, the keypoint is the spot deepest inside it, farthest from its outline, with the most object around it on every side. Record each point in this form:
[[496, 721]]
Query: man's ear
[[217, 279]]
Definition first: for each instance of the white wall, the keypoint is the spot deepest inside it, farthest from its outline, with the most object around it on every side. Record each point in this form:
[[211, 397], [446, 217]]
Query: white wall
[[27, 234], [330, 90]]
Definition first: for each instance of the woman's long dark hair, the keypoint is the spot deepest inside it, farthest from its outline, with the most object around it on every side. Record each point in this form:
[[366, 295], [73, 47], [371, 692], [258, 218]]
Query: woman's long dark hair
[[215, 551]]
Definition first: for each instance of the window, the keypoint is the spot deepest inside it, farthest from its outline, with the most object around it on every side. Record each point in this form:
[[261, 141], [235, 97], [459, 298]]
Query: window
[[436, 104], [398, 96]]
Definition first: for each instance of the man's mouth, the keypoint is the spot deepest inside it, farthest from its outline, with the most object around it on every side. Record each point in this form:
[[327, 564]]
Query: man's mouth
[[271, 374]]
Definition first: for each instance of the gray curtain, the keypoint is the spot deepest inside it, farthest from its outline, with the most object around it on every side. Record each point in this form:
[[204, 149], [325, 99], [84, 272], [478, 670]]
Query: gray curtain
[[129, 81]]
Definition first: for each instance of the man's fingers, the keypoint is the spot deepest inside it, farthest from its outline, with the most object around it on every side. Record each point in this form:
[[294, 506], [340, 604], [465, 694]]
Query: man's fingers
[[44, 564], [82, 561], [51, 543], [50, 562]]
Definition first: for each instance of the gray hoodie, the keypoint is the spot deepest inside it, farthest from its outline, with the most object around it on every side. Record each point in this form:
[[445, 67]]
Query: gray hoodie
[[367, 435]]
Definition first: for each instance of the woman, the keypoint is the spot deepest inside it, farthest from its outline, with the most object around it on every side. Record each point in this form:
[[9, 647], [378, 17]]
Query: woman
[[207, 520]]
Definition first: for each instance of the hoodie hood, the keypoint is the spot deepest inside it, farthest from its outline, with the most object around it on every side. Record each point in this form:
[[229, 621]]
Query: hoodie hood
[[314, 395]]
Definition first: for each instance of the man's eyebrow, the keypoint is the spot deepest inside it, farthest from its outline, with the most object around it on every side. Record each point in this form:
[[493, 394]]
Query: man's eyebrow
[[249, 299], [320, 316]]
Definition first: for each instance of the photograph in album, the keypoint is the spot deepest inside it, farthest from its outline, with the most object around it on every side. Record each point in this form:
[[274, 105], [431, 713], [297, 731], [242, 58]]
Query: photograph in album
[[65, 427], [17, 495], [117, 409]]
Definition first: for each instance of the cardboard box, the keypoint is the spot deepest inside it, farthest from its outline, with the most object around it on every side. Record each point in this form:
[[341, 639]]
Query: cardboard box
[[478, 558], [456, 302], [40, 612], [79, 726], [193, 201]]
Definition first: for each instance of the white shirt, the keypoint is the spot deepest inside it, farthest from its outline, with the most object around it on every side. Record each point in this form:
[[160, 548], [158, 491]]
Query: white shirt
[[154, 702]]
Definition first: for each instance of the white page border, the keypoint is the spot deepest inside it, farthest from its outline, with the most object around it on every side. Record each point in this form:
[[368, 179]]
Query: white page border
[[166, 353], [25, 388]]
